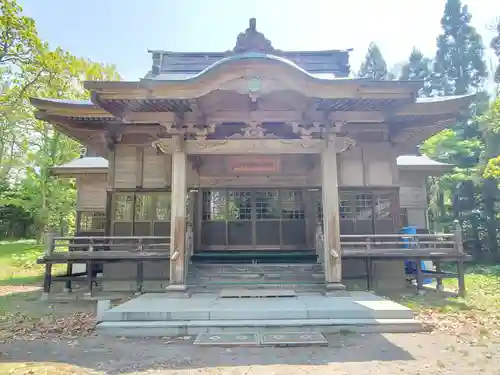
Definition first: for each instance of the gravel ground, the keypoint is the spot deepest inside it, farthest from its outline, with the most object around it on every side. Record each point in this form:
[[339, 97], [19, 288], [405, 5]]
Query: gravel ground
[[430, 353]]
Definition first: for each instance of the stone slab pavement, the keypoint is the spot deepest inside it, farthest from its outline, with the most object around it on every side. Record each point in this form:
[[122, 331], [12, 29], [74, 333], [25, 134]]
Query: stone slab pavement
[[355, 305]]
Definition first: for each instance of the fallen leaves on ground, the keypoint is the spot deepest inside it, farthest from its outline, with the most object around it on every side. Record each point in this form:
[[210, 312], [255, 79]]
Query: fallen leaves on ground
[[473, 318], [469, 326], [7, 290], [27, 368], [20, 326]]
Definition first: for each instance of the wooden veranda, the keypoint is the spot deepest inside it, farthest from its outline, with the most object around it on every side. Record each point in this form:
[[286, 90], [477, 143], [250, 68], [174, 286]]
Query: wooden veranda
[[96, 251]]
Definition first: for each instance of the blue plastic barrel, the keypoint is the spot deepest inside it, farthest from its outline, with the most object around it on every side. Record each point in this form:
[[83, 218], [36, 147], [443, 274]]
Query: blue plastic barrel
[[410, 266]]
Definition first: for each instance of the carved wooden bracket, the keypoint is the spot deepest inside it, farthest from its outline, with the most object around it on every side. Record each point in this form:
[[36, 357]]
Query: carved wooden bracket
[[112, 136], [306, 132], [200, 132], [170, 128], [162, 145], [305, 144], [253, 130], [344, 143]]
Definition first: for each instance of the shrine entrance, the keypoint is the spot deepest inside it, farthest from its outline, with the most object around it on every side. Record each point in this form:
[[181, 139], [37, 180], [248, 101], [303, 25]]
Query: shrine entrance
[[254, 219]]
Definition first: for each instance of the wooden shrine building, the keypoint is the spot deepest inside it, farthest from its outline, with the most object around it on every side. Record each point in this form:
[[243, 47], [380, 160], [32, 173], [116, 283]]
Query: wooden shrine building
[[249, 150]]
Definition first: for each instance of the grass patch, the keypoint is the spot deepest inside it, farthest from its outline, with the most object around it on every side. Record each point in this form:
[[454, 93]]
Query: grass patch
[[477, 315], [18, 263], [21, 278]]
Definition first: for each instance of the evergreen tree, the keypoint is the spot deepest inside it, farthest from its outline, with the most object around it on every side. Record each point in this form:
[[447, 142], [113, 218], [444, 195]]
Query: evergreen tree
[[459, 66], [374, 65], [418, 68], [495, 45], [459, 69]]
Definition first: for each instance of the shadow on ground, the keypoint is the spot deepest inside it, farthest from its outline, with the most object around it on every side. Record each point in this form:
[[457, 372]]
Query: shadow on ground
[[122, 355]]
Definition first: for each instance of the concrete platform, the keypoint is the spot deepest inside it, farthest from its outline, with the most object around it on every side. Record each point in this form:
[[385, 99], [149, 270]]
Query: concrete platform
[[159, 315]]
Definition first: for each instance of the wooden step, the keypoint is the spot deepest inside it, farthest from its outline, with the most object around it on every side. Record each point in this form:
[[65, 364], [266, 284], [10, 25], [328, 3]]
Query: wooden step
[[255, 268], [215, 277]]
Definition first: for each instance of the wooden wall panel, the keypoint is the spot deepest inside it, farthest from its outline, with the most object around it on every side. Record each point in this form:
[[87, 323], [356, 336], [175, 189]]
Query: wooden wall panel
[[293, 170], [351, 167], [192, 177], [125, 173], [378, 160], [91, 195], [156, 169], [417, 217], [412, 191], [220, 165]]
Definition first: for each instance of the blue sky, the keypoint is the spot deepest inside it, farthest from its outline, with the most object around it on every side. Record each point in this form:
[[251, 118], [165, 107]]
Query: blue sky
[[121, 31]]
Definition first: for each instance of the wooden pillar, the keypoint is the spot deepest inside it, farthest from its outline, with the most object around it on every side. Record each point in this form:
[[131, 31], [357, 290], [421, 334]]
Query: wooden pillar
[[178, 216], [331, 225]]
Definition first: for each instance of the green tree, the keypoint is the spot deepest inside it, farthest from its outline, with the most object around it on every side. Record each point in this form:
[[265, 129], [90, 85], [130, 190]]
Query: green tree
[[458, 69], [490, 163], [19, 40], [53, 202], [19, 47], [492, 169], [29, 147], [459, 66], [374, 65], [495, 45], [418, 68]]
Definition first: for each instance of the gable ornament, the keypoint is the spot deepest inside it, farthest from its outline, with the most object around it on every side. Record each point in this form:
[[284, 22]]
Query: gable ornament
[[252, 40]]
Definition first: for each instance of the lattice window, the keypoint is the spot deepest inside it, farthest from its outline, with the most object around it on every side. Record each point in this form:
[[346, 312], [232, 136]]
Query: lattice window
[[124, 207], [364, 206], [383, 208], [143, 207], [239, 205], [214, 205], [346, 210], [266, 205], [292, 204], [92, 221], [163, 207]]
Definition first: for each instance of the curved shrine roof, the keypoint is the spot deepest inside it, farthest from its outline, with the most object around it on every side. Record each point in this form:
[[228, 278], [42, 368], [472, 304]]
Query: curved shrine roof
[[254, 76]]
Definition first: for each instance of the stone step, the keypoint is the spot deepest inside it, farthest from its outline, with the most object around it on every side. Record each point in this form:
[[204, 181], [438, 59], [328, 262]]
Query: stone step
[[261, 275], [193, 327], [256, 276], [216, 287], [151, 308], [215, 276], [300, 289], [255, 268]]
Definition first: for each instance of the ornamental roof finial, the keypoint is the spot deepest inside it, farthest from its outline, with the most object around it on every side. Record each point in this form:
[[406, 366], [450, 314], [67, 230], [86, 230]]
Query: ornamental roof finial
[[252, 24], [252, 40]]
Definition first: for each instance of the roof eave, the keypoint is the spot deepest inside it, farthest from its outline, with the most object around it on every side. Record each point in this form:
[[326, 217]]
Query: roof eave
[[47, 103], [429, 170], [74, 172]]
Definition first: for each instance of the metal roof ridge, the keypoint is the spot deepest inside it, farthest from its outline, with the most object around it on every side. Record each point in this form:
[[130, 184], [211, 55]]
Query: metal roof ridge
[[233, 53]]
